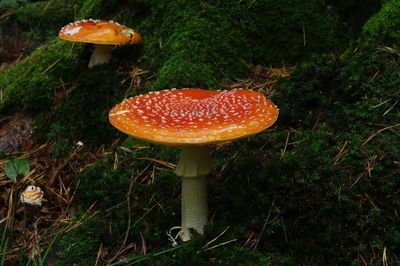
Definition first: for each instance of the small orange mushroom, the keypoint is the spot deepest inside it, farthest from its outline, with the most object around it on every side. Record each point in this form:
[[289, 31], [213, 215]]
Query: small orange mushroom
[[103, 34], [32, 195]]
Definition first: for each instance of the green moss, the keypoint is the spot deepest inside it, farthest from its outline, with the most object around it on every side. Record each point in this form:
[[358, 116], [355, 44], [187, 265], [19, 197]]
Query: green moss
[[195, 43], [66, 99], [186, 42], [385, 23], [90, 9], [343, 101], [80, 246], [194, 254], [353, 14], [30, 84], [44, 18], [61, 149], [288, 31], [109, 183]]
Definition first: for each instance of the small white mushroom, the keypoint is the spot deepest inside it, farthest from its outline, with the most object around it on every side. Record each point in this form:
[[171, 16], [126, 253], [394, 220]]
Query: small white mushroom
[[32, 195]]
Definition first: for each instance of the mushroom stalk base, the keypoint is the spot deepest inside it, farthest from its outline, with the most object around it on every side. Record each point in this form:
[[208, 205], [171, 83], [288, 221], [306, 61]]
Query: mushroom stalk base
[[194, 164], [101, 55], [194, 206]]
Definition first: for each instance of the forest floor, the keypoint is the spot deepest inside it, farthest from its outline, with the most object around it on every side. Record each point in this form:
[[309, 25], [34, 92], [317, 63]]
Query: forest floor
[[36, 228]]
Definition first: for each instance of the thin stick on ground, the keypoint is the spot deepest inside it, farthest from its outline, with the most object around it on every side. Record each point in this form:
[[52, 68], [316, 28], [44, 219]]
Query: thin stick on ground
[[215, 239], [265, 225], [133, 180], [377, 133]]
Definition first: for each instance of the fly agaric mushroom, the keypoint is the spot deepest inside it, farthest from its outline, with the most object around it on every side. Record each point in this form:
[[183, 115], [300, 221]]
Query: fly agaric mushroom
[[32, 195], [194, 118], [103, 34]]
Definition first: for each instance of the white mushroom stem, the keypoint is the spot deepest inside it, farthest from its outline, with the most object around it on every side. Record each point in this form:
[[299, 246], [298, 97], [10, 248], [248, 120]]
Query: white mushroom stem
[[194, 161], [194, 206], [194, 164], [101, 55]]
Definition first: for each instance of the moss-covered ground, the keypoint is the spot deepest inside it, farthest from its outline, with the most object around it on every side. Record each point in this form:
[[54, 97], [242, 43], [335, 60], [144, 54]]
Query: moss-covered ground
[[321, 187]]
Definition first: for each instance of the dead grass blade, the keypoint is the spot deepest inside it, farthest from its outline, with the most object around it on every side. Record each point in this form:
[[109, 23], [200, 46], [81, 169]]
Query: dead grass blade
[[167, 164], [377, 133]]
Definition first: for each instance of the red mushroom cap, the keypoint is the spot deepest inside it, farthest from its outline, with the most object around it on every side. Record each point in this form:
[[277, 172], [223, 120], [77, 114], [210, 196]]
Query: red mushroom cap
[[99, 32], [194, 116]]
